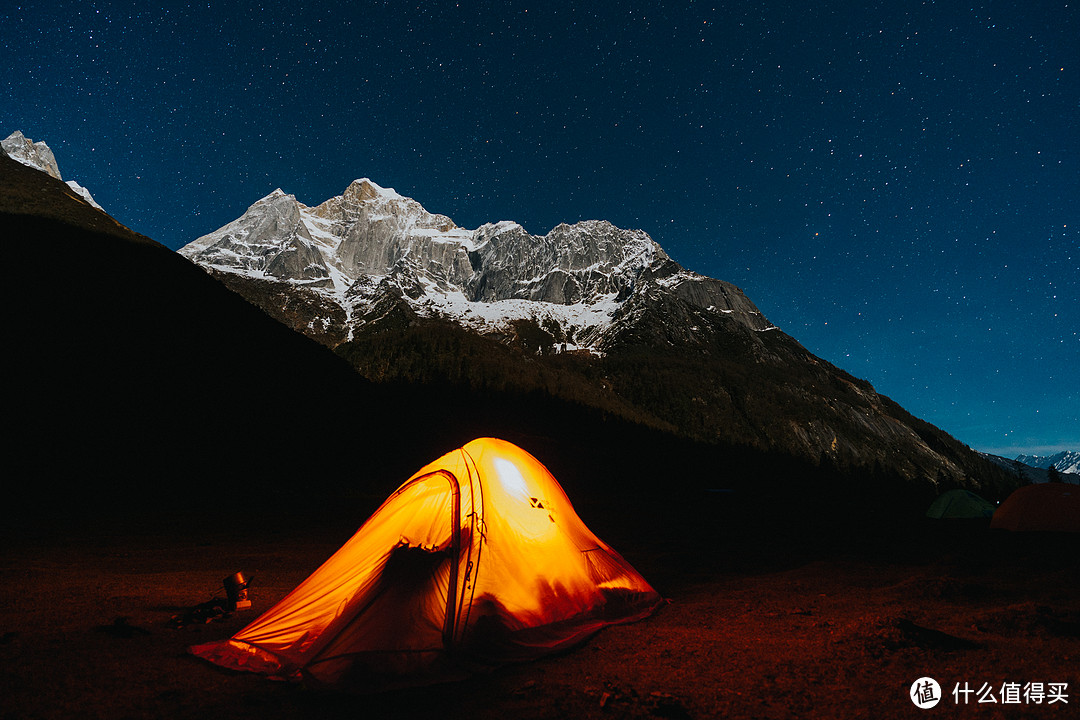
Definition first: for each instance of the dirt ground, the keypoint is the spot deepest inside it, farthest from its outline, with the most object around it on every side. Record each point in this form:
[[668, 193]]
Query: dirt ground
[[758, 625]]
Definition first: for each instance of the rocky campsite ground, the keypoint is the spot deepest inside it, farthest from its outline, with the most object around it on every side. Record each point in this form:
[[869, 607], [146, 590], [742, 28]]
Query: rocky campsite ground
[[762, 622]]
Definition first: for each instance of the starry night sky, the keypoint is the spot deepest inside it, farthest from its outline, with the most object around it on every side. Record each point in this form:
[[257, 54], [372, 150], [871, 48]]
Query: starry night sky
[[895, 184]]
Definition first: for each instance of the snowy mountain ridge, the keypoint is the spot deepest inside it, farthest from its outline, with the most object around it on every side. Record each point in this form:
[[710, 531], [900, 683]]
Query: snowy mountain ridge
[[1025, 468], [370, 249], [1066, 461], [40, 156]]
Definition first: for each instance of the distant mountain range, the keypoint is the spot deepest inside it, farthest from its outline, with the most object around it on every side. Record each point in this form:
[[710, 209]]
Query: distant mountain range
[[1028, 473], [588, 313], [1066, 461]]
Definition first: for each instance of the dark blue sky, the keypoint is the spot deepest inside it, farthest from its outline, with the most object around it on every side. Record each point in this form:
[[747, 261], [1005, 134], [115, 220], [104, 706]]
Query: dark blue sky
[[895, 184]]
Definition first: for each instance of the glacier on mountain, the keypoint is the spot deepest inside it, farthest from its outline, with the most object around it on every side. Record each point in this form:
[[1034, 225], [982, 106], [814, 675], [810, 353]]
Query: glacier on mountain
[[371, 244]]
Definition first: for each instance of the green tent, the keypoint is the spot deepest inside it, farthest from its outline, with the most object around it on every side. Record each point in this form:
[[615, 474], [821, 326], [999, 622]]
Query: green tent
[[960, 504]]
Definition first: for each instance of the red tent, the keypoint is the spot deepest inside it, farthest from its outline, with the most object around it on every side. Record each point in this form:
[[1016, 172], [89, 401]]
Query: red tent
[[1051, 507]]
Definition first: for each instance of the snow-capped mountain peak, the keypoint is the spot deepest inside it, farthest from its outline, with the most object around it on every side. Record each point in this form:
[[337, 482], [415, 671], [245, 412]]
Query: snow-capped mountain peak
[[37, 155], [367, 189], [40, 156], [371, 246]]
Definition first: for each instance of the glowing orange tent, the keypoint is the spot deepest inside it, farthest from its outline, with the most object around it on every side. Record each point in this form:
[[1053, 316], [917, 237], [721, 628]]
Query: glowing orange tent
[[477, 559]]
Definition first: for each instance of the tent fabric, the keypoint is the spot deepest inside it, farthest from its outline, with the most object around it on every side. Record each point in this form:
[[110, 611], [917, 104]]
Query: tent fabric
[[1049, 507], [477, 559], [960, 504]]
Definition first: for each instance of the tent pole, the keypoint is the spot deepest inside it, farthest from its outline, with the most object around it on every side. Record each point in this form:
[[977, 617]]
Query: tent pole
[[455, 559]]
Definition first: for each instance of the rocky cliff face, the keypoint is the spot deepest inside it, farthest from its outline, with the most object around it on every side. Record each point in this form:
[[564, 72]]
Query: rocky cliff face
[[371, 247], [37, 155]]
